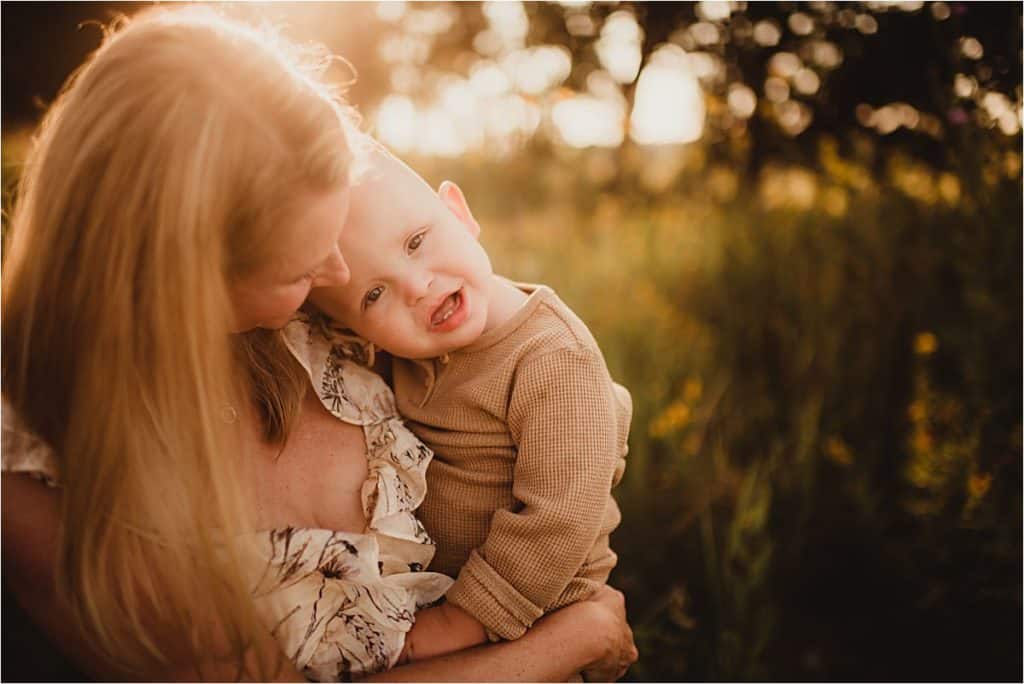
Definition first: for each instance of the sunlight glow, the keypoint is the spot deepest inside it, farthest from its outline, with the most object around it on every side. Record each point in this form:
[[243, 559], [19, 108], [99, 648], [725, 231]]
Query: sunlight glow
[[536, 70], [800, 23], [396, 121], [714, 11], [488, 79], [619, 46], [806, 81], [767, 33], [971, 48], [742, 100], [391, 11], [669, 106], [784, 64], [588, 121], [704, 33], [825, 54], [508, 20]]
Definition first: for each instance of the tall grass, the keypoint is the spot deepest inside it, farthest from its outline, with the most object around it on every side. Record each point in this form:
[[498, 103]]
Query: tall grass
[[824, 478]]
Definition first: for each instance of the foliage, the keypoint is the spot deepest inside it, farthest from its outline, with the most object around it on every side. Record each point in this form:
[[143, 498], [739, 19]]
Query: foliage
[[824, 475]]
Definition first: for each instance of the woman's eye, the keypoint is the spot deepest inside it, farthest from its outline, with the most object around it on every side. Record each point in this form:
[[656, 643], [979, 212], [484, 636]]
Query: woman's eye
[[372, 296], [416, 241]]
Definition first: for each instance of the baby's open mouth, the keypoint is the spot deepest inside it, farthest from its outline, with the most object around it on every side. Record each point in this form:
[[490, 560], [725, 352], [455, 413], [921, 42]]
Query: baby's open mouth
[[449, 306]]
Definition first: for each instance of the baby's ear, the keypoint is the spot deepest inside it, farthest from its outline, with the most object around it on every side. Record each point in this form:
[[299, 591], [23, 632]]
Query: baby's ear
[[452, 196]]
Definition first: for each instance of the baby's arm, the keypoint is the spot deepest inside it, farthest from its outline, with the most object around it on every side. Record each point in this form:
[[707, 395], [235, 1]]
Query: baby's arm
[[563, 415], [442, 629]]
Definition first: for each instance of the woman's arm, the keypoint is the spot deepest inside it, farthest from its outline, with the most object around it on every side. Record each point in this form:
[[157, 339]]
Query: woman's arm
[[591, 635], [31, 525]]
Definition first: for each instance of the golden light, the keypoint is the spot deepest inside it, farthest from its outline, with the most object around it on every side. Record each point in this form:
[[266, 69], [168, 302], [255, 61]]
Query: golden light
[[826, 54], [741, 100], [578, 24], [865, 115], [806, 81], [800, 23], [784, 64], [866, 24], [536, 70], [793, 117], [706, 66], [704, 33], [509, 117], [458, 97], [776, 89], [669, 105], [971, 48], [431, 21], [790, 187], [405, 78], [618, 48], [886, 119], [391, 11], [964, 85], [909, 116], [508, 20], [437, 134], [588, 121], [767, 33], [396, 122], [1008, 123], [714, 11], [487, 79], [940, 11]]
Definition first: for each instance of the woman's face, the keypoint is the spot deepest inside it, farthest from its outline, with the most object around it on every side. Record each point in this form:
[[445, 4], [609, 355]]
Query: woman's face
[[308, 257]]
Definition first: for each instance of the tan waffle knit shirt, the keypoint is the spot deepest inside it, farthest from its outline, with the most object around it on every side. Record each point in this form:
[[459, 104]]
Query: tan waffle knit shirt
[[529, 435]]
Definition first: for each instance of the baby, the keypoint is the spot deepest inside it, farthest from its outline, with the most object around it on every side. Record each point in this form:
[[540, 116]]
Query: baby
[[506, 385]]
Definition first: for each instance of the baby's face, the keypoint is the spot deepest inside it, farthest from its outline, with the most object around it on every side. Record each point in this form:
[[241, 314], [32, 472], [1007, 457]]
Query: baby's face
[[420, 281]]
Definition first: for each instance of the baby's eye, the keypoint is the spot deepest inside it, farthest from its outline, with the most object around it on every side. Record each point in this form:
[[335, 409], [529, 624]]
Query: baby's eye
[[372, 296], [415, 241]]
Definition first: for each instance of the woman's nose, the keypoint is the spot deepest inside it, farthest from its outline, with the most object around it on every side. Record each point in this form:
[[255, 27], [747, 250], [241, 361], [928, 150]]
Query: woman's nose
[[335, 271]]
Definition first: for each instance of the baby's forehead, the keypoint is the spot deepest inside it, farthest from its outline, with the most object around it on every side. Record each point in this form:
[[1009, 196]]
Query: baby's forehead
[[387, 178]]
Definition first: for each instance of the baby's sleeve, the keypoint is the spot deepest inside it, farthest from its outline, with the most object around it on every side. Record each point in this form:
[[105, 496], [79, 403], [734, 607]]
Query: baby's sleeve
[[566, 418]]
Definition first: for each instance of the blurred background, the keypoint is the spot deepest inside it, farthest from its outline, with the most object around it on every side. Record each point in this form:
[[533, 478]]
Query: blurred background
[[795, 229]]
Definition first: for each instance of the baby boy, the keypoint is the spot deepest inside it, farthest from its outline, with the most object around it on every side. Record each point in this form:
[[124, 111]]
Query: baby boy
[[506, 385]]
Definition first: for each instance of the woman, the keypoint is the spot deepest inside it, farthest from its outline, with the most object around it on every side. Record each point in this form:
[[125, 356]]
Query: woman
[[190, 182]]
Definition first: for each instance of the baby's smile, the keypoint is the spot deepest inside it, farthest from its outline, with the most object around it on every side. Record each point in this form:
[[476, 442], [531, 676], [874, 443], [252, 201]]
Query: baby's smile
[[450, 312]]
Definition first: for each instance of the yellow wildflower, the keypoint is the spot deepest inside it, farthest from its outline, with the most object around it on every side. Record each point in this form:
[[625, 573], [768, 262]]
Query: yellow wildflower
[[925, 344], [978, 485], [838, 452]]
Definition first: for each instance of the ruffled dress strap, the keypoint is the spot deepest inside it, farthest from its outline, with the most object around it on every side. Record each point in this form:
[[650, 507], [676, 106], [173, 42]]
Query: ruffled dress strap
[[342, 603]]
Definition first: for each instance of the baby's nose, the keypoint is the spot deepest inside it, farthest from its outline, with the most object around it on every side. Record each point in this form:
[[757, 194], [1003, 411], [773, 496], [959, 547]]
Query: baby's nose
[[416, 286]]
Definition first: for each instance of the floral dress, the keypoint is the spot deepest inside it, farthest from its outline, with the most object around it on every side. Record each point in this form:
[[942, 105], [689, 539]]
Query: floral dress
[[338, 603]]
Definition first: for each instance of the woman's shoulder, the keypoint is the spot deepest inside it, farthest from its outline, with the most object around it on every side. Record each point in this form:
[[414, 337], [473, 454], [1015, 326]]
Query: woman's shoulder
[[24, 452]]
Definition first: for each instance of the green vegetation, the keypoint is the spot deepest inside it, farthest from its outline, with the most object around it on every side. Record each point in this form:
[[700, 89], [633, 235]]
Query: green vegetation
[[824, 478]]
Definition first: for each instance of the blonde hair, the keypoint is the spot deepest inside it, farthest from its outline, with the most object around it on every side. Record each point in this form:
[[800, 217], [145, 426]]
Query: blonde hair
[[158, 176]]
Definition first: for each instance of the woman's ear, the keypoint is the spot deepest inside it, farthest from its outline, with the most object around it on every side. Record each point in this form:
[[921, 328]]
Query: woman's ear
[[452, 196]]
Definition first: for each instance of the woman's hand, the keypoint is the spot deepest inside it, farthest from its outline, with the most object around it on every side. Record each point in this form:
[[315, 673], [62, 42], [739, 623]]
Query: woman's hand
[[610, 620]]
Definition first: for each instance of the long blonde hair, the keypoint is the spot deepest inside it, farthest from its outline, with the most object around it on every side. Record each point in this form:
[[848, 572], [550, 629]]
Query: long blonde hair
[[159, 175]]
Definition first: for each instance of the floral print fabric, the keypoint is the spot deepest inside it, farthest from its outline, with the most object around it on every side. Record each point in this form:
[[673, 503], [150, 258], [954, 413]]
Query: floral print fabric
[[339, 604]]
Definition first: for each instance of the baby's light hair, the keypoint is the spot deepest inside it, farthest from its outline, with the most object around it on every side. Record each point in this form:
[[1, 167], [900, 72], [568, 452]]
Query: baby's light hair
[[162, 172]]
